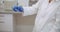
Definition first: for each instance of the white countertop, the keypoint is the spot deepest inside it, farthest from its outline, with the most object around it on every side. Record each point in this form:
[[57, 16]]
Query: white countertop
[[10, 12], [7, 11]]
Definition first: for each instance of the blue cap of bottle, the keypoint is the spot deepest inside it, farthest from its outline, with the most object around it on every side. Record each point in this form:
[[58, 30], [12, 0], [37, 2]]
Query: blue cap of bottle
[[18, 8]]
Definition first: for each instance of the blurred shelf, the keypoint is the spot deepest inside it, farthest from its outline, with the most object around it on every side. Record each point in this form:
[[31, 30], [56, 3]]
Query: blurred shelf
[[7, 11], [10, 12]]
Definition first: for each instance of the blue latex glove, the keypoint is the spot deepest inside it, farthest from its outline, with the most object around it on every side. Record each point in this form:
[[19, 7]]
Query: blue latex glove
[[18, 8]]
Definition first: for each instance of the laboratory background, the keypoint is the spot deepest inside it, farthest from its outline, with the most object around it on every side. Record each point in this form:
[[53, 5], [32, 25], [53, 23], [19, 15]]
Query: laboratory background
[[11, 21]]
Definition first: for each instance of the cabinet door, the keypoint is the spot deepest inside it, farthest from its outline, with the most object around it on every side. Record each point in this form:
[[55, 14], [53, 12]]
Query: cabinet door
[[1, 21], [7, 25]]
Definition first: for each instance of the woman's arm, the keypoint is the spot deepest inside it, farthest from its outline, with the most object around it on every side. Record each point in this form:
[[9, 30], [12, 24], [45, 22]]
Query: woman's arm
[[31, 10]]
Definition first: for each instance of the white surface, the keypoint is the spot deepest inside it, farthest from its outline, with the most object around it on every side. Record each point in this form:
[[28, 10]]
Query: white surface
[[8, 23]]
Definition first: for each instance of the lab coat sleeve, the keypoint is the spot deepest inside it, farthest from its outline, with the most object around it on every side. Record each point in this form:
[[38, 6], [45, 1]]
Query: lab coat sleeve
[[31, 10]]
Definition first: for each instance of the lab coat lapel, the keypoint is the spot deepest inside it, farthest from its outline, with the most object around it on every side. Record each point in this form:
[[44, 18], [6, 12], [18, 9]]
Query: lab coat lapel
[[45, 14], [49, 13]]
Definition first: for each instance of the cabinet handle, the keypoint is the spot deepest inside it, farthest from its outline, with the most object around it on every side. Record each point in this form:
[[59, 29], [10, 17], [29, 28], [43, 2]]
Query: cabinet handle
[[1, 15], [1, 21]]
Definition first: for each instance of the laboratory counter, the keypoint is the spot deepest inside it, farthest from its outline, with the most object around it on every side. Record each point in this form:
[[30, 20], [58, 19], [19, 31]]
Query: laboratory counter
[[10, 12]]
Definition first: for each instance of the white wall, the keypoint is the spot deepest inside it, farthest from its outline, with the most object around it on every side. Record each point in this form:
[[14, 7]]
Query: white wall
[[23, 2], [9, 4]]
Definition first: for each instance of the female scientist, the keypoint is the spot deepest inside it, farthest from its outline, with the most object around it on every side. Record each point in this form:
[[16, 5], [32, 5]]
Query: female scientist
[[46, 15]]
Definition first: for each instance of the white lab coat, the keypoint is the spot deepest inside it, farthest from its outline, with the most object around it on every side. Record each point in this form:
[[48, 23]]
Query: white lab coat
[[45, 13]]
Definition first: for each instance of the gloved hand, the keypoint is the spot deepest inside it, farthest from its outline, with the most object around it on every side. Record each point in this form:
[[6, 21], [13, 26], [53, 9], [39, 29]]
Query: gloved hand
[[18, 8]]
